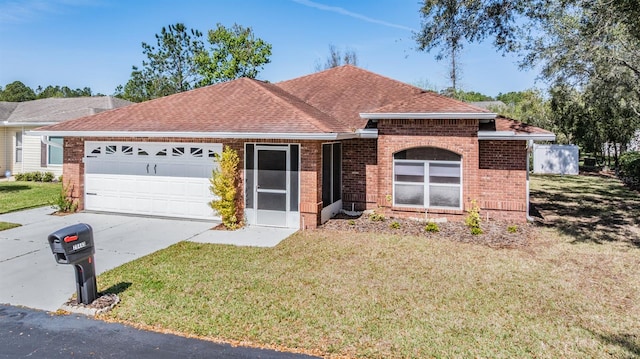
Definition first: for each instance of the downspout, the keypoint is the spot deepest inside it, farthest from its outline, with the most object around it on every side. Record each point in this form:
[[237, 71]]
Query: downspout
[[529, 150]]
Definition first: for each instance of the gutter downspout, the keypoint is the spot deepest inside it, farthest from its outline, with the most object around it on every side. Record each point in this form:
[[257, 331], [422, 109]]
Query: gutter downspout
[[529, 150]]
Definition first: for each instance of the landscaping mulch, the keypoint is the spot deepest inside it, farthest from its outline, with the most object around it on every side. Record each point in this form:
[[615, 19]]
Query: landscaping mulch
[[495, 233]]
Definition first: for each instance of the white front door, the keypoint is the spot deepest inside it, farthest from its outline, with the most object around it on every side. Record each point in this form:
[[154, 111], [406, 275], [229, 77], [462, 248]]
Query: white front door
[[159, 179]]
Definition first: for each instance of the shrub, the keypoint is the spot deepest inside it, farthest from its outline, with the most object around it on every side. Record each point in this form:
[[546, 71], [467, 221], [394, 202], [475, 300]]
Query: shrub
[[20, 176], [432, 227], [394, 225], [224, 182], [64, 202], [351, 222], [630, 167], [48, 177], [512, 229], [473, 219], [37, 176], [376, 217]]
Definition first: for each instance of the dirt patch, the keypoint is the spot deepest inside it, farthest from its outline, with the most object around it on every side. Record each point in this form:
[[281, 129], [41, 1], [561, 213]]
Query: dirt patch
[[496, 234]]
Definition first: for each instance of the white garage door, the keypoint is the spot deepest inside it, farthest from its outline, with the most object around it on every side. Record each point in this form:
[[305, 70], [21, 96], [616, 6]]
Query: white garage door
[[159, 179]]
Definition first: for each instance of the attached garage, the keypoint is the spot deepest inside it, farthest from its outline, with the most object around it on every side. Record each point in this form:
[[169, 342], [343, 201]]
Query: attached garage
[[150, 178]]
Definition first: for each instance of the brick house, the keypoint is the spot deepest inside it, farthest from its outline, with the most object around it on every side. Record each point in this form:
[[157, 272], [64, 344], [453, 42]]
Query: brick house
[[344, 138]]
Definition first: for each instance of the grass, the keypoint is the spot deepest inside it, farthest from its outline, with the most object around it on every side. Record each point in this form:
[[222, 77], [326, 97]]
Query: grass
[[16, 196], [588, 208], [380, 296]]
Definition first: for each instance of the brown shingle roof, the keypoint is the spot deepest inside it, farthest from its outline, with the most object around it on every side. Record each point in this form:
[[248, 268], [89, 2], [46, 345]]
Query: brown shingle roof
[[243, 105], [346, 91], [429, 102], [507, 124]]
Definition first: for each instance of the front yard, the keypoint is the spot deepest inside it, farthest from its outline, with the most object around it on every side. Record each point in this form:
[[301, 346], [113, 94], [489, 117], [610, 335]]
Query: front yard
[[568, 293], [16, 196]]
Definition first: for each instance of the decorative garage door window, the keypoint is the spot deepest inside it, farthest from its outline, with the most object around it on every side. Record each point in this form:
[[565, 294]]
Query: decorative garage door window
[[427, 177], [152, 159]]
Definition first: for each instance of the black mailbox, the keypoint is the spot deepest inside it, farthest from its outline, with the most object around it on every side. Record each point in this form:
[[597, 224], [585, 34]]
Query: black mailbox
[[74, 245]]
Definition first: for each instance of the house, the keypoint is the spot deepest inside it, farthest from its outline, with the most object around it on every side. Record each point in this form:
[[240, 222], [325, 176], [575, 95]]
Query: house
[[20, 152], [344, 138]]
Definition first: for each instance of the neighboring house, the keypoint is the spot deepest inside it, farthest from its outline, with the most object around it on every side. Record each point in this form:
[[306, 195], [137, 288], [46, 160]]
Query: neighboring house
[[344, 138], [20, 152]]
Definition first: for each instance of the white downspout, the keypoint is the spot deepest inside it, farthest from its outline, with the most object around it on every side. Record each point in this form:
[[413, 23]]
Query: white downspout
[[529, 150]]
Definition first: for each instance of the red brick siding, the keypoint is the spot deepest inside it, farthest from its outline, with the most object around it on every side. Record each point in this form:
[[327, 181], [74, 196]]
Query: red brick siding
[[359, 174], [503, 176]]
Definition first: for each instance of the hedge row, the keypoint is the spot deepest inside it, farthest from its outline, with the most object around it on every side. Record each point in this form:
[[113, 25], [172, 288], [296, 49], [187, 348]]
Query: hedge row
[[630, 168], [35, 176]]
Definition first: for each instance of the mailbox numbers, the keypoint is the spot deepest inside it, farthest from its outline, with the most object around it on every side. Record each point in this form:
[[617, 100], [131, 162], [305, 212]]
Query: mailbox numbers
[[80, 245]]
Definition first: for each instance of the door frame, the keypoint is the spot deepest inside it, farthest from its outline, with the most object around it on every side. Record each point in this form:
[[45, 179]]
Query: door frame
[[292, 216]]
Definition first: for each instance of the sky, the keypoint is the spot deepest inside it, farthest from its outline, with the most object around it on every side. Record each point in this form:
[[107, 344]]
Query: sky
[[94, 43]]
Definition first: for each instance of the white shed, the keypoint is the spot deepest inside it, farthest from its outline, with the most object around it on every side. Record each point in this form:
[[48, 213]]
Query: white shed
[[555, 159]]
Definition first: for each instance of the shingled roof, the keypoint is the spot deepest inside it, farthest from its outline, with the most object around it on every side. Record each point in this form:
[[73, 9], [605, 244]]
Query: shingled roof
[[239, 106], [346, 91], [54, 110]]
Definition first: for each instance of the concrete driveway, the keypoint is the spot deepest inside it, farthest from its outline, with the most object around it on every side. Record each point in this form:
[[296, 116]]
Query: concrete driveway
[[30, 277]]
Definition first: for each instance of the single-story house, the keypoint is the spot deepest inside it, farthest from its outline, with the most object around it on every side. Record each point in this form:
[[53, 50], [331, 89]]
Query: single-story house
[[344, 138], [20, 152]]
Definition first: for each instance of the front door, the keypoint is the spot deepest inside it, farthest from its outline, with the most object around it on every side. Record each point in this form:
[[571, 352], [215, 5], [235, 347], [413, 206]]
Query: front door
[[272, 185]]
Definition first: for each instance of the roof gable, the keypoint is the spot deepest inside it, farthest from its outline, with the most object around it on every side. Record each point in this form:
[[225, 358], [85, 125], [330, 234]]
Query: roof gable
[[429, 103]]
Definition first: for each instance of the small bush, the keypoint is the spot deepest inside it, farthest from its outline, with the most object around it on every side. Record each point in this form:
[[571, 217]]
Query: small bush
[[223, 185], [630, 167], [376, 217], [394, 225], [512, 229], [351, 222], [48, 177], [19, 177], [432, 227], [64, 202], [37, 176], [473, 219]]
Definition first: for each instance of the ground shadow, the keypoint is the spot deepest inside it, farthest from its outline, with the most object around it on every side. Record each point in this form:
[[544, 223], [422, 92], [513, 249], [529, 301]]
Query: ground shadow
[[630, 342], [588, 208], [17, 188], [117, 288]]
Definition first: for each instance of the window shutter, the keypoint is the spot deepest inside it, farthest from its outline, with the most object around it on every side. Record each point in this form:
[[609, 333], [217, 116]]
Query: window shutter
[[43, 155]]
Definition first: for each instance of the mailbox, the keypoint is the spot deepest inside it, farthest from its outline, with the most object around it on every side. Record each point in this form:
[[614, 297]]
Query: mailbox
[[74, 245]]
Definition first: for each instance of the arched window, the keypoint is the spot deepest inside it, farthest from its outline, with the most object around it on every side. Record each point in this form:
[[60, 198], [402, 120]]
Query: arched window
[[427, 177]]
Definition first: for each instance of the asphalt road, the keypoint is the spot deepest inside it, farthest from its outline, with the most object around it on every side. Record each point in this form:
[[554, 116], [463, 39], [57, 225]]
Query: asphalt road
[[37, 334]]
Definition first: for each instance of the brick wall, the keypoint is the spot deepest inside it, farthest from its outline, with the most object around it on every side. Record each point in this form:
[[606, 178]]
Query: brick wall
[[359, 174]]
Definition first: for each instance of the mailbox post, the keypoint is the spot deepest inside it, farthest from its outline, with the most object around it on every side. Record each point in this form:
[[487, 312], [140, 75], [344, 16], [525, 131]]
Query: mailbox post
[[74, 245]]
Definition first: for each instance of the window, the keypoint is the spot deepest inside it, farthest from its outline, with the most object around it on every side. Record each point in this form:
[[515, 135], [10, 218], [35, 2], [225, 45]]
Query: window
[[427, 177], [54, 153], [331, 173], [18, 147]]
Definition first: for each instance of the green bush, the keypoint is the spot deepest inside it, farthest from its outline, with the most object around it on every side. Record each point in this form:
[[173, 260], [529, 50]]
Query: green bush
[[630, 167], [224, 180], [48, 177], [64, 201], [512, 229], [394, 225], [432, 227], [376, 217], [473, 219]]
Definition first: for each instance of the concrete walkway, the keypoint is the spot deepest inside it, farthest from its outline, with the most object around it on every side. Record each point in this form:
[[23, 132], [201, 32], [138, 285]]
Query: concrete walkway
[[30, 277]]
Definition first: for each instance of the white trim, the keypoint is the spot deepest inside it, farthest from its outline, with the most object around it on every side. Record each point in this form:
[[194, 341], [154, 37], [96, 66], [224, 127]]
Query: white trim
[[367, 132], [425, 184], [512, 135], [239, 135], [430, 116], [23, 124]]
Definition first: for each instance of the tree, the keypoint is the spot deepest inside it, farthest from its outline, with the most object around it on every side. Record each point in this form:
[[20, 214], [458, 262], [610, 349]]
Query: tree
[[64, 91], [170, 66], [224, 181], [338, 58], [180, 61], [235, 52], [467, 96], [17, 92]]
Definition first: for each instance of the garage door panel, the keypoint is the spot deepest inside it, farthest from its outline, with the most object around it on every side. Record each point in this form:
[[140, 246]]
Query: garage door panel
[[150, 178]]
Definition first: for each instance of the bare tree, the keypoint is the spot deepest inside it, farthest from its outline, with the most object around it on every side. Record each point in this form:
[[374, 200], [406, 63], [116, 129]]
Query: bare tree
[[337, 58]]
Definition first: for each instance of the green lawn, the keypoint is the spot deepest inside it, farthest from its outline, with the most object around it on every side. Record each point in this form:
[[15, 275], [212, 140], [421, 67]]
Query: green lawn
[[374, 295], [16, 196]]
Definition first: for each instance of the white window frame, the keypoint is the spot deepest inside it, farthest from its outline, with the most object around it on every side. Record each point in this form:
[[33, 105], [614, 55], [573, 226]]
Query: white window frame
[[20, 147], [49, 145], [425, 183]]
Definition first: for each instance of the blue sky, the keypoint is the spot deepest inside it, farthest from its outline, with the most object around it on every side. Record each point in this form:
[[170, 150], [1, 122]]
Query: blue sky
[[94, 43]]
